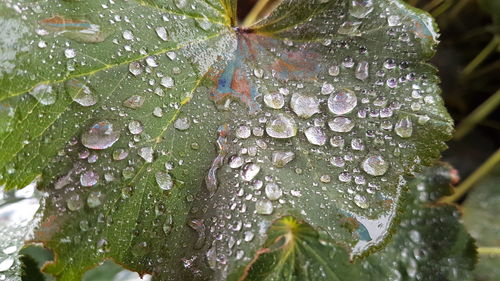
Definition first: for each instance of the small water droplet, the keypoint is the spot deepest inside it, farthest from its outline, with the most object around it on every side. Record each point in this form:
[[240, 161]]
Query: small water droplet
[[182, 123], [164, 180], [273, 191], [362, 70], [6, 264], [361, 8], [80, 92], [243, 132], [404, 127], [69, 53], [167, 82], [249, 171], [361, 201], [146, 153], [128, 35], [236, 161], [94, 199], [74, 203], [135, 68], [341, 124], [162, 33], [135, 127]]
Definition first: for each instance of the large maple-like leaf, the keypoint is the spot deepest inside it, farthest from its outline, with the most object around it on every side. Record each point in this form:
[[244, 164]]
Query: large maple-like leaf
[[169, 139]]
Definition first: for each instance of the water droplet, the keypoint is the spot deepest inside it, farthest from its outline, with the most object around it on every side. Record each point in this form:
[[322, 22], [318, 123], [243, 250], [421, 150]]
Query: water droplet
[[375, 165], [162, 33], [236, 162], [158, 112], [325, 178], [89, 178], [135, 127], [94, 199], [6, 264], [70, 53], [120, 154], [44, 94], [274, 100], [128, 35], [182, 123], [248, 236], [134, 102], [342, 102], [315, 135], [9, 250], [361, 201], [281, 158], [404, 127], [243, 132], [101, 135], [146, 153], [199, 226], [303, 105], [341, 124], [164, 180], [167, 82], [259, 73], [362, 70], [281, 126], [135, 68], [361, 8], [80, 93], [264, 207], [334, 70], [273, 191], [393, 20], [168, 225], [74, 203], [249, 171], [140, 249]]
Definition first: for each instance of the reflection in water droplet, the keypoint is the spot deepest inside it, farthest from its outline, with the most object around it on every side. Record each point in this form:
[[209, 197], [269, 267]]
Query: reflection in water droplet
[[342, 102], [341, 124], [264, 207], [303, 105], [281, 126], [89, 178], [164, 180], [182, 123], [249, 171], [404, 127], [101, 135], [281, 158], [273, 191], [274, 100], [361, 8], [375, 165], [44, 94], [80, 93], [315, 135]]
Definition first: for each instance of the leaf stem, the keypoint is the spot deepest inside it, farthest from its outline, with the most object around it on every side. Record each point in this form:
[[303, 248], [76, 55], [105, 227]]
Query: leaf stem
[[481, 56], [489, 251], [479, 173], [477, 115]]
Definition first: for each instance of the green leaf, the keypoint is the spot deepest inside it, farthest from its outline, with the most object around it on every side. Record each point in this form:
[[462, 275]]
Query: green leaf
[[481, 219], [430, 244], [170, 141]]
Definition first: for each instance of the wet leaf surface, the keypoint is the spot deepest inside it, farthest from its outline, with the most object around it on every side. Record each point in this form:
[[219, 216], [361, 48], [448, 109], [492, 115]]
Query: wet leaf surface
[[170, 142], [429, 244]]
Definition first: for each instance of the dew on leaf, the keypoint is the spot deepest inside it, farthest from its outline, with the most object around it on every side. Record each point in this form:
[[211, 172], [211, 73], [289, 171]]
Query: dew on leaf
[[120, 154], [80, 92], [281, 158], [89, 178], [273, 191], [69, 53], [134, 102], [182, 123], [243, 132], [101, 135], [375, 165], [164, 180], [361, 201], [128, 35], [6, 264], [94, 199], [135, 68], [249, 171], [303, 105], [281, 126], [44, 94], [236, 161], [361, 8], [135, 127], [274, 100], [342, 102], [264, 207], [74, 202], [362, 70], [404, 127], [146, 153], [341, 124], [198, 225], [315, 135], [162, 33], [167, 82], [168, 225]]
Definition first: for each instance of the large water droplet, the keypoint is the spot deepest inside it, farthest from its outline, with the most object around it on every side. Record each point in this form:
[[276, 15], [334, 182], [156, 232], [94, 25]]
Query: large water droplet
[[249, 171], [44, 94], [361, 8], [164, 180], [101, 135], [264, 207], [281, 126], [80, 93], [315, 135], [341, 124], [375, 165], [342, 102], [404, 127], [273, 191], [303, 105]]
